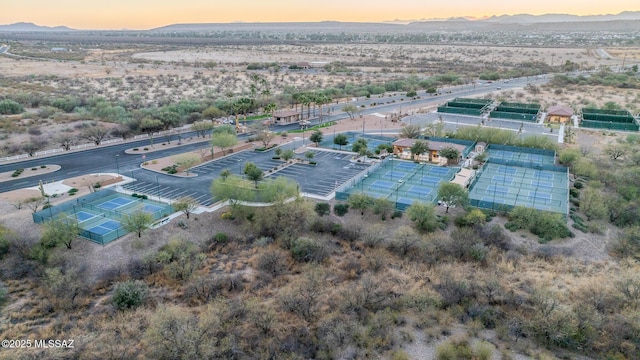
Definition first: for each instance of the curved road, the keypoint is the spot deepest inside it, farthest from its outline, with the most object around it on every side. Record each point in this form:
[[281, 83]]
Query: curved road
[[113, 159]]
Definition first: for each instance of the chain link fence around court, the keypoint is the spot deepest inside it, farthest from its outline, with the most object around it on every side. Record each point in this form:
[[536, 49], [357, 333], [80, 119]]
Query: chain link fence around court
[[99, 215], [501, 185], [399, 181]]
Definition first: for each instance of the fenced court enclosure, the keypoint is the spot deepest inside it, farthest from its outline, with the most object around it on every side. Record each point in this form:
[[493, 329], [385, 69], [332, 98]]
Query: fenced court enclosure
[[513, 153], [99, 215], [521, 177], [608, 119], [466, 106], [516, 111], [402, 182]]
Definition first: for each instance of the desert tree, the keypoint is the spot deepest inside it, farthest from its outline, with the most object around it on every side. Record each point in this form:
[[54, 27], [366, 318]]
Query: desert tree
[[178, 333], [615, 151], [287, 155], [316, 137], [360, 201], [212, 112], [202, 128], [340, 140], [137, 222], [383, 207], [66, 141], [451, 154], [418, 148], [34, 145], [253, 172], [309, 155], [186, 204], [452, 195], [262, 133], [423, 216], [34, 203], [224, 141], [150, 126], [351, 110], [60, 230], [95, 134], [404, 240]]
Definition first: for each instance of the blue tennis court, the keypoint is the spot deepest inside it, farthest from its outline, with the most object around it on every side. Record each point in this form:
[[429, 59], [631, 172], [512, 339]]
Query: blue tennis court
[[541, 183], [381, 184], [151, 208], [84, 216], [530, 185], [393, 174], [105, 227], [419, 191], [406, 166], [545, 176], [502, 178], [115, 203], [500, 189], [419, 182], [506, 170], [439, 171], [541, 195]]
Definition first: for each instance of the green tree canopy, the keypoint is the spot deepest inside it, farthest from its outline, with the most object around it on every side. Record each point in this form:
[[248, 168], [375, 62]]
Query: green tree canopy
[[186, 204], [340, 140], [423, 216], [360, 201], [224, 141], [361, 143], [418, 148], [316, 137], [452, 195], [253, 172], [137, 222]]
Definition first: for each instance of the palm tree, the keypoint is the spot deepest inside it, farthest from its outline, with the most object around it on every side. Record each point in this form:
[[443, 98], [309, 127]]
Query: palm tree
[[320, 100]]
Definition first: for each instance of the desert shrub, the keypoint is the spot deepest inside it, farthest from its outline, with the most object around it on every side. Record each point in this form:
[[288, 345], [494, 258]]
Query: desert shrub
[[129, 294], [340, 209], [546, 225], [3, 293], [220, 238], [272, 262], [323, 209], [456, 349], [308, 250]]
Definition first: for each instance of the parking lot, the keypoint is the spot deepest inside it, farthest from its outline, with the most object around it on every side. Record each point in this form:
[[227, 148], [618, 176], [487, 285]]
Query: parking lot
[[332, 169]]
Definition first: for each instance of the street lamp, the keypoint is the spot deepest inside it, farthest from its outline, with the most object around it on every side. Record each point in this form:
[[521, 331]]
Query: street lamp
[[158, 184], [117, 164]]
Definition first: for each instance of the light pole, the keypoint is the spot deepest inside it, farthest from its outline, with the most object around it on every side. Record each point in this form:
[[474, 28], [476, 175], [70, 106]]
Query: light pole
[[117, 164], [158, 184]]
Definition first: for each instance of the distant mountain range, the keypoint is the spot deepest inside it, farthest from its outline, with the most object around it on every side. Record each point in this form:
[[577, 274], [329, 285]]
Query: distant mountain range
[[27, 26], [451, 23]]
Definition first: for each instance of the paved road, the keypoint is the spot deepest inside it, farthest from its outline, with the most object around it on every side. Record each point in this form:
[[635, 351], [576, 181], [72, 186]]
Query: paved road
[[113, 159]]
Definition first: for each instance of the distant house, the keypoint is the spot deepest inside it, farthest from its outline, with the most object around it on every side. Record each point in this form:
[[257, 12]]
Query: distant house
[[402, 148], [285, 117], [559, 114], [59, 49]]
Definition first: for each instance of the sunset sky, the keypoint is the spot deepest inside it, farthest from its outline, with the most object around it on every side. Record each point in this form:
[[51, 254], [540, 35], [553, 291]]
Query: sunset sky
[[146, 14]]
